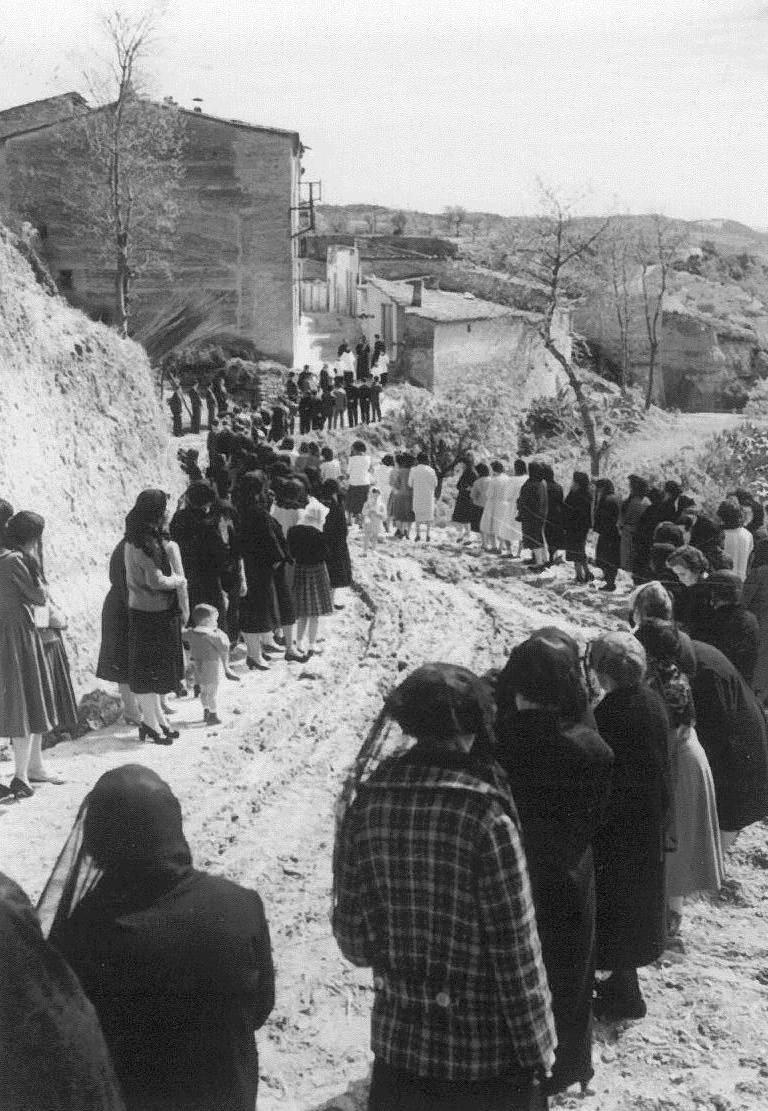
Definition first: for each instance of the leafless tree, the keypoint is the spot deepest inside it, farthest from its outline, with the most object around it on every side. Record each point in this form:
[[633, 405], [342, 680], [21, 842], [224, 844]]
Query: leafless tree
[[399, 222], [656, 249], [552, 249], [455, 216]]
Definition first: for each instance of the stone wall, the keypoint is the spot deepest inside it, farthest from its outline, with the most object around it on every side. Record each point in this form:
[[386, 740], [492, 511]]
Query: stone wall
[[40, 112], [508, 348]]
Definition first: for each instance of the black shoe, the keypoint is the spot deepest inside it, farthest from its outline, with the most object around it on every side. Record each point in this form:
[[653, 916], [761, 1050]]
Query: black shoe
[[253, 666], [147, 733], [294, 658], [608, 588], [211, 718], [169, 736], [6, 794], [21, 790]]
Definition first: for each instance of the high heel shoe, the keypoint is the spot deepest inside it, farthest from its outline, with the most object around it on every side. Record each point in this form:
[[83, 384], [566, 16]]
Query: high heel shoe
[[21, 790], [147, 733], [169, 735], [254, 666]]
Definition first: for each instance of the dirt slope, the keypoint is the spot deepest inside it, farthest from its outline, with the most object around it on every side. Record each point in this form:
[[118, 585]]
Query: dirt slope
[[82, 433], [258, 795]]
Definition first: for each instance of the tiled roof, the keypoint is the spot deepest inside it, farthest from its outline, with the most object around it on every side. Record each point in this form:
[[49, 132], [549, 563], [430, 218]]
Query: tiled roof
[[443, 307]]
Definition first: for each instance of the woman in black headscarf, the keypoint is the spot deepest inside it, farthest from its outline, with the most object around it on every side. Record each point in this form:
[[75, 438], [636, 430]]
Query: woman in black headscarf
[[553, 529], [533, 507], [608, 550], [560, 770], [177, 963], [52, 1051]]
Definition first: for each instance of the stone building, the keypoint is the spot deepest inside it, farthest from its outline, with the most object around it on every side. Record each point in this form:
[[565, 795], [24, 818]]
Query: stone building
[[435, 338], [237, 235]]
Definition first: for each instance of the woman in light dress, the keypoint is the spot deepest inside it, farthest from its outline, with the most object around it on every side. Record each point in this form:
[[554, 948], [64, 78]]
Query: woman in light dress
[[695, 866], [510, 532], [495, 510]]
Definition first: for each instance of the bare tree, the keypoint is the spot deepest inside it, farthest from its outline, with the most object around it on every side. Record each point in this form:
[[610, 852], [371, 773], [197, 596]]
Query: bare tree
[[455, 216], [552, 249], [399, 222], [614, 271], [370, 222], [115, 170], [656, 249]]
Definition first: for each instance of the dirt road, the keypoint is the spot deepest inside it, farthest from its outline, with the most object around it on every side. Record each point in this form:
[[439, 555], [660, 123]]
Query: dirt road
[[258, 795]]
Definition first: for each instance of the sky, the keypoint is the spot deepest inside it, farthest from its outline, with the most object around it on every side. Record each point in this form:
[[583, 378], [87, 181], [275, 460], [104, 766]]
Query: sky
[[624, 105]]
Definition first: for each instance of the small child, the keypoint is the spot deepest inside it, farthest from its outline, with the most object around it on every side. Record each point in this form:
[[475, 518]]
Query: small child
[[374, 514], [209, 648]]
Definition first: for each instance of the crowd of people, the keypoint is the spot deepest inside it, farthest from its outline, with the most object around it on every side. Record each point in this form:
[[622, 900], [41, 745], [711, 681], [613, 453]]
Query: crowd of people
[[510, 848], [344, 395]]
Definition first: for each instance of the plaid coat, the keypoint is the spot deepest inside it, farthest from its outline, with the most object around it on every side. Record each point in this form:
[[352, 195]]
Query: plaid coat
[[434, 896]]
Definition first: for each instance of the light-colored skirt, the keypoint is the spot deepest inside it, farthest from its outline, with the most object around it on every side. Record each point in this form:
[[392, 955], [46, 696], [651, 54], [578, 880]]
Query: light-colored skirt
[[697, 864]]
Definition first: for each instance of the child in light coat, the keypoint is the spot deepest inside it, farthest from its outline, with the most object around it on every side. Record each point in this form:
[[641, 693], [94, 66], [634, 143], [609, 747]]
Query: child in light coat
[[374, 516], [209, 649]]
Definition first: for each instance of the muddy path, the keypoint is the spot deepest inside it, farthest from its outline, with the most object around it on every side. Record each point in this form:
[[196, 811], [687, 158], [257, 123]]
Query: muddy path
[[258, 795]]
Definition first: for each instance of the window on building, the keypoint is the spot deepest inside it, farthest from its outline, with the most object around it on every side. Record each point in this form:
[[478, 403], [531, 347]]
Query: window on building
[[66, 279]]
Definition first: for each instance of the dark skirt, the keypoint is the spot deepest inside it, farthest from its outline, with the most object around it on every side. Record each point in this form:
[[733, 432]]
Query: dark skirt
[[608, 551], [339, 564], [155, 653], [259, 608], [476, 517], [113, 653], [355, 499], [286, 607], [312, 590], [392, 1090], [464, 510], [575, 547], [63, 691]]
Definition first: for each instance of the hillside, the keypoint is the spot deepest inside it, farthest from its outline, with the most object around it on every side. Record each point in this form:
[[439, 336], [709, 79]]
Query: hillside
[[83, 432]]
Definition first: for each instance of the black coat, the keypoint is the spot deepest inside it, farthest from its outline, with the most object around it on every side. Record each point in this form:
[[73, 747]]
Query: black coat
[[577, 517], [735, 631], [731, 726], [608, 552], [560, 775], [179, 985], [553, 530], [629, 846], [337, 561], [532, 511]]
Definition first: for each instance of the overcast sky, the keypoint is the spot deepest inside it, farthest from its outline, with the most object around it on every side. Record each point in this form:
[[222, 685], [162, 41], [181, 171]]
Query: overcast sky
[[641, 105]]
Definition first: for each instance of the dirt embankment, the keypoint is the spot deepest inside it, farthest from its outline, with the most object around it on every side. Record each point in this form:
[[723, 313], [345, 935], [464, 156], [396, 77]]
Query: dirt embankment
[[258, 796], [82, 432]]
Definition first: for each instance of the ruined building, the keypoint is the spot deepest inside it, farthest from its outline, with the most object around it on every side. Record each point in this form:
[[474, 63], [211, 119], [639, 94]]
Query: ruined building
[[236, 238]]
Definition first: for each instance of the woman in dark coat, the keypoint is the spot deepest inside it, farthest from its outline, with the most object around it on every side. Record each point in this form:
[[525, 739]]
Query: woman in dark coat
[[532, 507], [629, 846], [608, 552], [204, 551], [632, 509], [52, 1050], [729, 625], [732, 729], [691, 568], [176, 962], [463, 510], [553, 529], [577, 518], [559, 770], [259, 615], [335, 531]]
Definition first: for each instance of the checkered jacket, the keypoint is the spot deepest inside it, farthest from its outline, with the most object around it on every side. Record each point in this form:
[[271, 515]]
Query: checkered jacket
[[434, 895]]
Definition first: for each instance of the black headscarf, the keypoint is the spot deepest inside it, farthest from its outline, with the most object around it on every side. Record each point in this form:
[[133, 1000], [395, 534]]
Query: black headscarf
[[127, 839], [52, 1051]]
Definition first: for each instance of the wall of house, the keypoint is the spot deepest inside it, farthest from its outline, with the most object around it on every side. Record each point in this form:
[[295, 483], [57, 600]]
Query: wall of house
[[509, 348], [233, 235], [418, 358], [343, 270], [370, 301], [40, 112]]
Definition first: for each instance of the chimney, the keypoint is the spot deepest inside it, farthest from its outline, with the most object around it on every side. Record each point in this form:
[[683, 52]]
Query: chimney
[[418, 289]]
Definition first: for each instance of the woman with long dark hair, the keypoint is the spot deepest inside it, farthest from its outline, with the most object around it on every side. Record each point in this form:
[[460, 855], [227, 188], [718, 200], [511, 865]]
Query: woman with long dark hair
[[27, 698], [155, 652], [176, 962], [559, 769]]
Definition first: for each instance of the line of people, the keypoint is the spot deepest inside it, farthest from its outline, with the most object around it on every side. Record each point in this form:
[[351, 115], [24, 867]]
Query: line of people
[[344, 395], [510, 849]]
